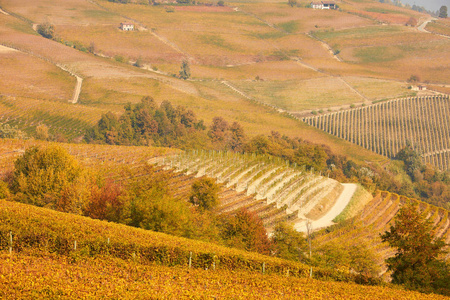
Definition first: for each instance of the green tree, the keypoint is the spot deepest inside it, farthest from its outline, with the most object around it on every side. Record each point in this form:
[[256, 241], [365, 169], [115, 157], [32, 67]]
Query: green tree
[[411, 158], [443, 12], [292, 3], [49, 177], [417, 263], [204, 193], [185, 71], [288, 243], [47, 30]]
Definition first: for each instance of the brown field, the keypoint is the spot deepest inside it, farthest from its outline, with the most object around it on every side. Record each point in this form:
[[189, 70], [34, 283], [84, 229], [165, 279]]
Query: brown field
[[268, 70], [301, 20], [440, 26], [203, 9], [227, 45], [134, 45], [381, 12], [41, 80], [67, 12], [294, 96]]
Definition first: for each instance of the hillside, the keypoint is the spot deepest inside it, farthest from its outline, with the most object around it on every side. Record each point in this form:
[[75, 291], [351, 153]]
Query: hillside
[[76, 257], [386, 127], [263, 52], [272, 188], [374, 219]]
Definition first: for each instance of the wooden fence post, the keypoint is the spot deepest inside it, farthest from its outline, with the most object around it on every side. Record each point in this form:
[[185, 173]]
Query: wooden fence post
[[264, 268], [190, 259], [10, 243]]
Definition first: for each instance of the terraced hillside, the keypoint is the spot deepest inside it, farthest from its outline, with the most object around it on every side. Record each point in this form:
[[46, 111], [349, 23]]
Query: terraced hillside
[[375, 218], [272, 188], [386, 127]]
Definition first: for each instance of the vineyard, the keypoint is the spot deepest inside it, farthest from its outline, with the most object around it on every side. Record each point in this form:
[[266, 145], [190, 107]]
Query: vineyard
[[58, 255], [109, 158], [375, 218], [272, 188], [68, 119], [386, 127]]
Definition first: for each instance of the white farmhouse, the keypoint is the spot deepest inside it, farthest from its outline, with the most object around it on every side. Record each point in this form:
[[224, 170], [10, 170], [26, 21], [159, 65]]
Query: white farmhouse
[[323, 5], [127, 26]]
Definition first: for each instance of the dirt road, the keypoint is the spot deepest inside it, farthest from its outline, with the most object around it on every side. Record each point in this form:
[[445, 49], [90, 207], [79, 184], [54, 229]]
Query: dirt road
[[327, 219]]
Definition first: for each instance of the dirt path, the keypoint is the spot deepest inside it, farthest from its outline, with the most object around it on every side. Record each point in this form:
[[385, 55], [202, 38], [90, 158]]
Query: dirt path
[[327, 219], [422, 26], [3, 12], [77, 90]]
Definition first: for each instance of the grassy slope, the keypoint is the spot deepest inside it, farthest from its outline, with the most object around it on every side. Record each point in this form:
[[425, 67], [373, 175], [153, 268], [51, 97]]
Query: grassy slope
[[46, 268]]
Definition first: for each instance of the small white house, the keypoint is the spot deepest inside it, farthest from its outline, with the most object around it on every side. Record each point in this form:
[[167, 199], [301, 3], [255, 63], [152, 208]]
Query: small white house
[[127, 26], [419, 88], [323, 5]]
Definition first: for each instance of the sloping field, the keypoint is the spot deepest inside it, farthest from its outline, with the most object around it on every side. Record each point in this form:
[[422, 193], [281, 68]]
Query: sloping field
[[68, 119], [440, 26], [106, 277], [296, 96], [302, 20], [110, 158], [41, 80], [386, 127], [67, 256], [375, 218], [381, 12], [65, 13], [397, 50]]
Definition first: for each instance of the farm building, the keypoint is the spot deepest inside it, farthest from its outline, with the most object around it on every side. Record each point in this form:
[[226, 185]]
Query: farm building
[[127, 26], [419, 88], [323, 5]]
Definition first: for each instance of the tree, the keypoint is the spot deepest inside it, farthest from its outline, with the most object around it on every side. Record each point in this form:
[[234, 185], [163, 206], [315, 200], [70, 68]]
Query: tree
[[412, 160], [411, 22], [237, 137], [185, 71], [42, 132], [49, 177], [204, 193], [9, 132], [292, 3], [443, 12], [245, 230], [288, 243], [413, 79], [218, 130], [47, 30], [417, 263]]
